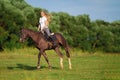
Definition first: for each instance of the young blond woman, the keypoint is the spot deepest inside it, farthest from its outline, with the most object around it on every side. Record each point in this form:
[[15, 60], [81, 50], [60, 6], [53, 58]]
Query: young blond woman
[[44, 25]]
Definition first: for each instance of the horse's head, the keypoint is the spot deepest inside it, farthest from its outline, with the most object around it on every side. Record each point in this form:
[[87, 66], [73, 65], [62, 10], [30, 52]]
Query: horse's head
[[23, 35]]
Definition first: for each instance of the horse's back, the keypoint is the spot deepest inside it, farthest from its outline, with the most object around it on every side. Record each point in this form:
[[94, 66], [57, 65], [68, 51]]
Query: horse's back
[[59, 36], [61, 39]]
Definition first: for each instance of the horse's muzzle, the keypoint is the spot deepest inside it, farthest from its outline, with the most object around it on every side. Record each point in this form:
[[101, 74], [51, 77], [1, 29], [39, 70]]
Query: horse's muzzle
[[21, 40]]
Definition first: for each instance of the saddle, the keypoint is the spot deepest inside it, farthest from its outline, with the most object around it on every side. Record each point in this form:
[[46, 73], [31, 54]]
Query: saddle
[[50, 38]]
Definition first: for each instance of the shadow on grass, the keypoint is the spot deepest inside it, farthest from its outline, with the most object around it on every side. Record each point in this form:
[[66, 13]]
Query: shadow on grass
[[28, 67]]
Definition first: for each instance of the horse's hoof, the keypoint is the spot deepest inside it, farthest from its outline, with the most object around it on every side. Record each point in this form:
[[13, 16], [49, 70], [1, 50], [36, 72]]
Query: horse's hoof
[[38, 67], [70, 68], [62, 67]]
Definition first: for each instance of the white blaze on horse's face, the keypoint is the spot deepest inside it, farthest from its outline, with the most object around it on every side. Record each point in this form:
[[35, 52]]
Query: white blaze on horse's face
[[20, 40]]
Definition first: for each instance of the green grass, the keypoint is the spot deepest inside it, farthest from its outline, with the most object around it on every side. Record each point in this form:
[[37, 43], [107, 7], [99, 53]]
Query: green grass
[[21, 65]]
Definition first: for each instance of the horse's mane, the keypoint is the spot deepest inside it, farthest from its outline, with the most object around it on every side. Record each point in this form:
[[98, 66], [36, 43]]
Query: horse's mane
[[30, 30]]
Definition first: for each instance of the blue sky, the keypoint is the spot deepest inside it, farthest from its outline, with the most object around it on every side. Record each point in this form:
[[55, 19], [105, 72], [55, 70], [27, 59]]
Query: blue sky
[[108, 10]]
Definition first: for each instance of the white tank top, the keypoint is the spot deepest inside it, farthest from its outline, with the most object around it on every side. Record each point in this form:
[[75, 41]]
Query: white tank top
[[42, 21]]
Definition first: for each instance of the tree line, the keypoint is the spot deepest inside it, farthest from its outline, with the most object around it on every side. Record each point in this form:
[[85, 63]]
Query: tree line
[[79, 31]]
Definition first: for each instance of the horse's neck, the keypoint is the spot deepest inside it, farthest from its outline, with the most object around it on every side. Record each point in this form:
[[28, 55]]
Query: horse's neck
[[34, 36]]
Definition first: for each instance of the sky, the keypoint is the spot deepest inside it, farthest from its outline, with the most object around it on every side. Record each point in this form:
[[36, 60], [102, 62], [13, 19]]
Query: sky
[[107, 10]]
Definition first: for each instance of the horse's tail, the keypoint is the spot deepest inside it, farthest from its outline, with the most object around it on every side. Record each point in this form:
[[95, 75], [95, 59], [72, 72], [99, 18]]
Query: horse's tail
[[64, 44], [67, 49]]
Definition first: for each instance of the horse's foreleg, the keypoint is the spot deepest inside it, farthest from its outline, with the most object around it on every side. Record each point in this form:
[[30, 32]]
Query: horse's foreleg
[[60, 55], [45, 56], [38, 64]]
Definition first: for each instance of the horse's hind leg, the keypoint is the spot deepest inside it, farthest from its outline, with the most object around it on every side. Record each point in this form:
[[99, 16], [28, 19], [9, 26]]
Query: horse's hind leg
[[68, 55], [60, 55], [66, 47]]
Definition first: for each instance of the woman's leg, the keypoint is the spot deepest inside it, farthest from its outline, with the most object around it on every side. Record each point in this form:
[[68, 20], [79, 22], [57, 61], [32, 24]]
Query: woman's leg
[[50, 37], [47, 31]]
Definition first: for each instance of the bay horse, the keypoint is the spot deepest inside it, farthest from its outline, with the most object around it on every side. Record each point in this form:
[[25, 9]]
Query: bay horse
[[42, 45]]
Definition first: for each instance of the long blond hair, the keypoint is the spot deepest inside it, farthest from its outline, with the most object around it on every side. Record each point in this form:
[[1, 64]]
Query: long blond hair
[[48, 15]]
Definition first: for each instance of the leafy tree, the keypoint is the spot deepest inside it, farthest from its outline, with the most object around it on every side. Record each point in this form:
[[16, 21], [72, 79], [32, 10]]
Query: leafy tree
[[12, 19], [3, 36], [79, 31]]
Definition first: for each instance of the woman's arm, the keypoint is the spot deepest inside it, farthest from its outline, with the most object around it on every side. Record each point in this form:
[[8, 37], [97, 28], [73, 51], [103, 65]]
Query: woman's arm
[[39, 27]]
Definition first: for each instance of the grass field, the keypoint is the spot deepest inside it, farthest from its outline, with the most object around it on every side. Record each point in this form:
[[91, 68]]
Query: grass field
[[21, 65]]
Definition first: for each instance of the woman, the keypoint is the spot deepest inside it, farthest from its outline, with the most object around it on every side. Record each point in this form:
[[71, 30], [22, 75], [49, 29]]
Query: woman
[[43, 25]]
